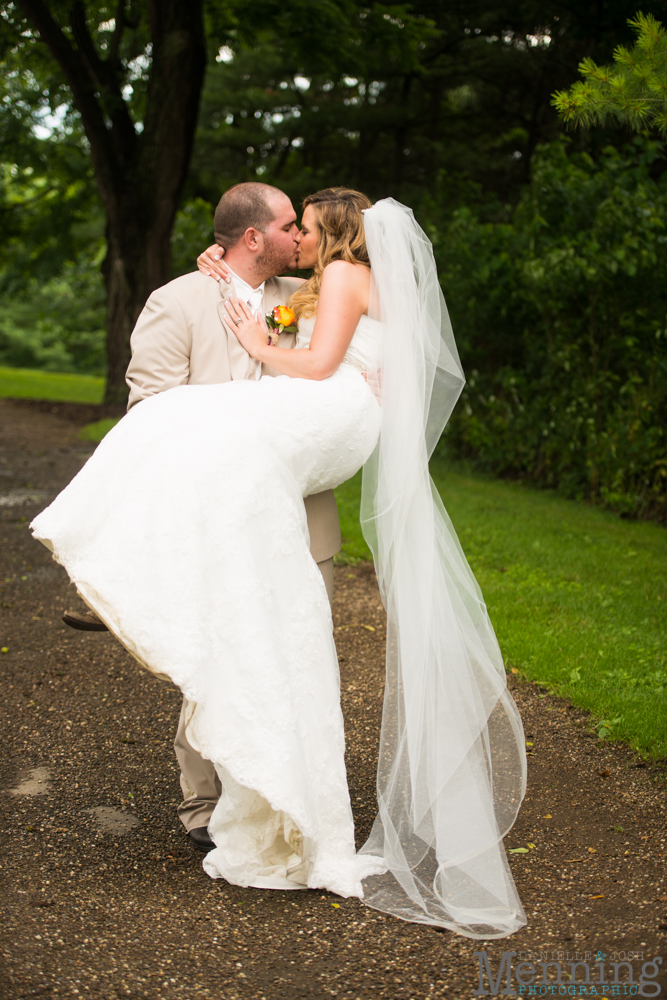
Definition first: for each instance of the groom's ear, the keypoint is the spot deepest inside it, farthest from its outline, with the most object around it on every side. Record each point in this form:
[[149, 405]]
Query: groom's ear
[[253, 239]]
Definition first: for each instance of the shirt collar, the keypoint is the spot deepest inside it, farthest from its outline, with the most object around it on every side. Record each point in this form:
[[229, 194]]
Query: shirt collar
[[242, 288]]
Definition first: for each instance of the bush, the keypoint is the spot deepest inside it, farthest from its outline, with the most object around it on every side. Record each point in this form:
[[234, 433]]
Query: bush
[[561, 318], [57, 325]]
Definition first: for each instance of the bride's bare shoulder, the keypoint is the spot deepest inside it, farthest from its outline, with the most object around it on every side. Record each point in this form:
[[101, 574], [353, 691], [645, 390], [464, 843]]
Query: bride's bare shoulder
[[342, 272], [345, 282]]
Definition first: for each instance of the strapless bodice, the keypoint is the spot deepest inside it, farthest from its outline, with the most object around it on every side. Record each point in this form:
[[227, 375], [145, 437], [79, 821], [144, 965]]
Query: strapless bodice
[[364, 350]]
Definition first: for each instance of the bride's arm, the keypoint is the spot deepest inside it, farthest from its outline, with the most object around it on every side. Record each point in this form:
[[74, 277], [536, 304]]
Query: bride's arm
[[343, 300]]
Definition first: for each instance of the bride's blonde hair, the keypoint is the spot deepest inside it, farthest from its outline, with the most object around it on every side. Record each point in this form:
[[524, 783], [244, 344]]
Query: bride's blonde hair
[[341, 237]]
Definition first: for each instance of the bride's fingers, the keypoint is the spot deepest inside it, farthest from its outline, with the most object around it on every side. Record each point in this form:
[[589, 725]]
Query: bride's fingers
[[239, 311], [231, 326], [210, 262], [232, 307]]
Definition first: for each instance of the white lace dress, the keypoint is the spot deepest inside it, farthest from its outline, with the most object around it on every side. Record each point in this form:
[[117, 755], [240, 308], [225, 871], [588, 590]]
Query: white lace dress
[[186, 533]]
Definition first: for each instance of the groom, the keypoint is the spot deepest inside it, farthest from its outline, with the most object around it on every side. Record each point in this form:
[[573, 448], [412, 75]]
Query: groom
[[180, 339]]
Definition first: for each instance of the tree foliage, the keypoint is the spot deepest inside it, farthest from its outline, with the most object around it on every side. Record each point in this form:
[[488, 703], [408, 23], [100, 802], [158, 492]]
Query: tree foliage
[[131, 72], [561, 318], [552, 261], [409, 99], [633, 90]]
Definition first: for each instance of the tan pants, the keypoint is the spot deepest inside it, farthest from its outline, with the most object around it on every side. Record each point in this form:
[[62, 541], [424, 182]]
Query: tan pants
[[199, 782]]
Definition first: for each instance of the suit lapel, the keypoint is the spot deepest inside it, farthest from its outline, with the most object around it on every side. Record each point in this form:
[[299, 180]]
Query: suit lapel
[[241, 365]]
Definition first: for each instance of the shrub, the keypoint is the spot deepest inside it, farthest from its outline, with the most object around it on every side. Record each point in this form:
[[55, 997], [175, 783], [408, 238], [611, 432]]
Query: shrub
[[57, 324], [561, 318]]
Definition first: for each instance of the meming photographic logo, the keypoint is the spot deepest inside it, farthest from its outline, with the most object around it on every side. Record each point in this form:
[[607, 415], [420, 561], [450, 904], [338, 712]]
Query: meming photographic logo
[[561, 974]]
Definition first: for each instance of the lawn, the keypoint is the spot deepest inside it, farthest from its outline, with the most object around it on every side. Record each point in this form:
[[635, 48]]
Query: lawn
[[26, 383], [577, 596], [96, 431]]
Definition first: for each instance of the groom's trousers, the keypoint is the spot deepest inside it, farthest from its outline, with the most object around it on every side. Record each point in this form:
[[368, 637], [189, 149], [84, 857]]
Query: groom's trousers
[[199, 782]]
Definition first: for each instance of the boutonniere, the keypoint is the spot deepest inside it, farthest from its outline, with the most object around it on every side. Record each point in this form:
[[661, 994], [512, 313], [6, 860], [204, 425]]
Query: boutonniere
[[281, 319]]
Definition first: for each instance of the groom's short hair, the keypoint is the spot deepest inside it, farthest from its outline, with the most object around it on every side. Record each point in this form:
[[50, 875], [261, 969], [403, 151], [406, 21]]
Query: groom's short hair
[[242, 207]]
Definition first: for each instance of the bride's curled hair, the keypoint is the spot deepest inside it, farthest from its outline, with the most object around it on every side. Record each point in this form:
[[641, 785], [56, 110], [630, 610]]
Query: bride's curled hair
[[340, 237]]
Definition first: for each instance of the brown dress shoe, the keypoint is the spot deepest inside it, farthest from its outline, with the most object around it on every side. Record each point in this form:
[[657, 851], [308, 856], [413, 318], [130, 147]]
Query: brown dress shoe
[[87, 622]]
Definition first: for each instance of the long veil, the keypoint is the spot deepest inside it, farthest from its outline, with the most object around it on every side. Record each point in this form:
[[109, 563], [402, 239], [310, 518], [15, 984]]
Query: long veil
[[452, 768]]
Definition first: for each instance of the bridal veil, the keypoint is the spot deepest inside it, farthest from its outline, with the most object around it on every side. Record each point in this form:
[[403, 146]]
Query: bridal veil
[[452, 768]]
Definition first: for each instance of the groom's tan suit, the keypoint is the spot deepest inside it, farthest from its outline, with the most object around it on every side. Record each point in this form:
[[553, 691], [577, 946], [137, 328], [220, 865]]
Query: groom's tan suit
[[180, 339]]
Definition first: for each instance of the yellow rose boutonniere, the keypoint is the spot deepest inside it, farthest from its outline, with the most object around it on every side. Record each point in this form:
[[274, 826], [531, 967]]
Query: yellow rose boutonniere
[[281, 319]]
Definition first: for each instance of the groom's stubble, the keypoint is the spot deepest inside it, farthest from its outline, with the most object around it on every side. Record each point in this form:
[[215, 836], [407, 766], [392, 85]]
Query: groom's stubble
[[273, 260]]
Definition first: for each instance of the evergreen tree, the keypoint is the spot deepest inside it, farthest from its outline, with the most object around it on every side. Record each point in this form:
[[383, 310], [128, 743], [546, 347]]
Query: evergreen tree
[[633, 90]]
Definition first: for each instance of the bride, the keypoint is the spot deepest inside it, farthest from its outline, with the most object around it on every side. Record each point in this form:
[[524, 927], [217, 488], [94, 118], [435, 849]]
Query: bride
[[186, 533]]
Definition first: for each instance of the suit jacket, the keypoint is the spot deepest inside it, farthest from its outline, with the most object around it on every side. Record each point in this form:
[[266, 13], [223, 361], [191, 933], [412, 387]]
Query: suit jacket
[[180, 339]]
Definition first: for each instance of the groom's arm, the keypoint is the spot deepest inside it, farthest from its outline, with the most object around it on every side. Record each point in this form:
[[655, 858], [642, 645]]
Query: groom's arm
[[161, 345]]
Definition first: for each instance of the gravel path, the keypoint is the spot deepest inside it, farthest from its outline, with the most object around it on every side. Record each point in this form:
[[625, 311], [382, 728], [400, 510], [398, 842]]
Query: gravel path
[[102, 894]]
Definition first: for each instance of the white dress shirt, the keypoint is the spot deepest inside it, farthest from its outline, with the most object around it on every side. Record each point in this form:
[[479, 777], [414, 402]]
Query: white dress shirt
[[254, 299]]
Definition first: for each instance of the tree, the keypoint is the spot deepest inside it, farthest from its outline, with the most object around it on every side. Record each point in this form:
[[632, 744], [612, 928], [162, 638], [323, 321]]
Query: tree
[[633, 90], [436, 104], [135, 75], [433, 103]]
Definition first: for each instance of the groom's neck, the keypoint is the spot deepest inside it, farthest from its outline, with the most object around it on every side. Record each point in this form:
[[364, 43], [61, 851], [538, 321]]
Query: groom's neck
[[245, 267]]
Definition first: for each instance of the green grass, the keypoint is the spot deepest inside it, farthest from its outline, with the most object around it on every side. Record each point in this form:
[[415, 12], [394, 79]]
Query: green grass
[[577, 596], [96, 431], [59, 387]]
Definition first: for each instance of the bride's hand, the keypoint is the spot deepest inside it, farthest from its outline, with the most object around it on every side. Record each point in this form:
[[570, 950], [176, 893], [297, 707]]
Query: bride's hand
[[210, 262], [251, 334]]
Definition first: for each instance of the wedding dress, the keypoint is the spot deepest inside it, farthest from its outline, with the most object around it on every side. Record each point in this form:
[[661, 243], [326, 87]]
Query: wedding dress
[[186, 533]]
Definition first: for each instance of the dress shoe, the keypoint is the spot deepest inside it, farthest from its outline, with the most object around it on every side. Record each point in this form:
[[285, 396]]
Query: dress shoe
[[200, 839], [87, 622]]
